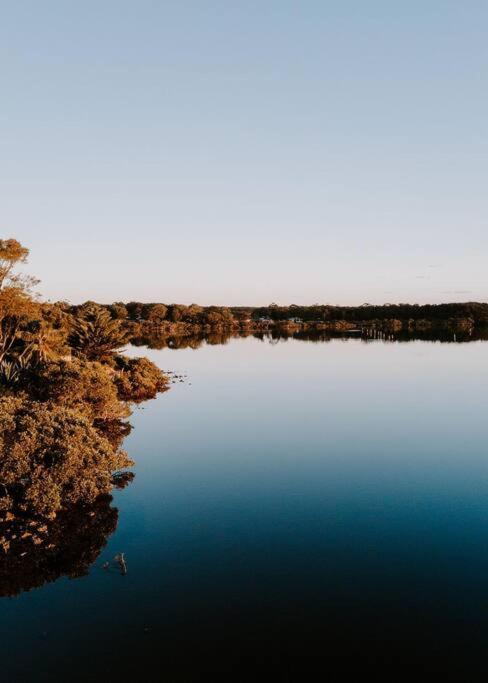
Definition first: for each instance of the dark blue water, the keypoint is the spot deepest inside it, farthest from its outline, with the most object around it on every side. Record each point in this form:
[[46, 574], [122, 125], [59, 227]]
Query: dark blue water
[[293, 501]]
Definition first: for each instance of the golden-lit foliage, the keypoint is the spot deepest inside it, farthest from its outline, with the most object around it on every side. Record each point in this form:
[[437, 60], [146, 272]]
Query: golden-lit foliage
[[137, 379], [157, 313], [95, 334], [143, 318], [52, 457], [64, 396], [17, 311], [88, 386], [11, 254], [44, 343]]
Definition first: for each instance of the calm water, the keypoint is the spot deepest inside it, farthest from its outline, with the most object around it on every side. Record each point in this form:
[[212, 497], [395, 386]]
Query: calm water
[[291, 500]]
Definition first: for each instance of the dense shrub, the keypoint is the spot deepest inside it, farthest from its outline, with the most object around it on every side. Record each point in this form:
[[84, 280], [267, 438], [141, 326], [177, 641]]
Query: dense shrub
[[85, 385], [51, 456], [138, 379]]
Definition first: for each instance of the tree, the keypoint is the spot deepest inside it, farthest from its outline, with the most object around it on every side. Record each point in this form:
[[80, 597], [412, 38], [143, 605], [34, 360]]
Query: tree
[[118, 310], [242, 315], [134, 309], [17, 307], [193, 314], [177, 312], [157, 313], [11, 254]]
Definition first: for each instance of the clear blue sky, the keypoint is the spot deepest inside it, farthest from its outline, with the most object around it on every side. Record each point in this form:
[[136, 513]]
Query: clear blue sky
[[247, 151]]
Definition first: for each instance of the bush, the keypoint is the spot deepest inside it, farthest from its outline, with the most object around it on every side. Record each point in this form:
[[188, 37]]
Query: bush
[[138, 379], [85, 385], [51, 457]]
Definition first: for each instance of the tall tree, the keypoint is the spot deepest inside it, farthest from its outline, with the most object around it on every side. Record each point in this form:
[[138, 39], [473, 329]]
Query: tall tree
[[17, 307], [11, 254]]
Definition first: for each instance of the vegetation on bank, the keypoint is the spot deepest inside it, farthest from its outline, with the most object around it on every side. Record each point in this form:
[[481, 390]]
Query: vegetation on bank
[[66, 389], [173, 319], [65, 395]]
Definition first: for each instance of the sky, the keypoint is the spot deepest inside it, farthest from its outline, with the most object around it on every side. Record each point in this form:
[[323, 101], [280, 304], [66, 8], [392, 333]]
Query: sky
[[243, 152]]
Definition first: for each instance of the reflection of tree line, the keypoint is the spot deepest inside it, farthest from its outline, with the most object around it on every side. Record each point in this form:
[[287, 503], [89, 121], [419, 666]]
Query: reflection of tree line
[[175, 342], [158, 341]]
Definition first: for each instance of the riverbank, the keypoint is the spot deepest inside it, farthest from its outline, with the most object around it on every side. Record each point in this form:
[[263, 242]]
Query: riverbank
[[145, 329]]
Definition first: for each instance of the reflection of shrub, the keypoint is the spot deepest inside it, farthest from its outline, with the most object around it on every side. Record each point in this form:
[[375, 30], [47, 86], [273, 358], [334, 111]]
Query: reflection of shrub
[[40, 552], [84, 385], [51, 457], [138, 379]]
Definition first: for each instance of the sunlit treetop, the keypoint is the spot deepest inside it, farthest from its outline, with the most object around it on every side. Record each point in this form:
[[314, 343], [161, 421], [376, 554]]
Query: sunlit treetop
[[11, 254]]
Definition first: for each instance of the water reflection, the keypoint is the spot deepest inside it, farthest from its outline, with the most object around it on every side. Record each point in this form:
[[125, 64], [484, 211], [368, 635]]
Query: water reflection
[[366, 335], [37, 552], [293, 501]]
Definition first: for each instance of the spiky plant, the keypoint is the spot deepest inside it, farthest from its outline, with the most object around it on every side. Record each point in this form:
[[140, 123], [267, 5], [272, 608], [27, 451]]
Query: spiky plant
[[11, 371], [95, 335], [43, 344]]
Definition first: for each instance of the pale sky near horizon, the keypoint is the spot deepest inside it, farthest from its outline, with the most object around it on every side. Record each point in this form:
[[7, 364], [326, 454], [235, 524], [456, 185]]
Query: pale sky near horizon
[[243, 152]]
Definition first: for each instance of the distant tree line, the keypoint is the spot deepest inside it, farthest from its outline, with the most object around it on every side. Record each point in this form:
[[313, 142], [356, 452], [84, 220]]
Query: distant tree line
[[160, 313]]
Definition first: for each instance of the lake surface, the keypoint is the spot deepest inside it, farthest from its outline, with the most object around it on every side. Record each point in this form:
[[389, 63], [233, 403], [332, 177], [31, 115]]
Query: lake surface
[[292, 500]]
